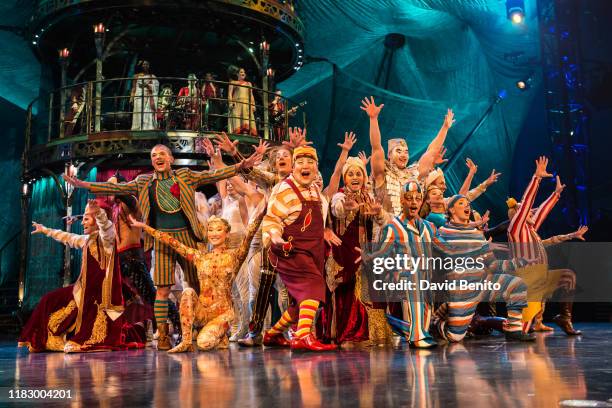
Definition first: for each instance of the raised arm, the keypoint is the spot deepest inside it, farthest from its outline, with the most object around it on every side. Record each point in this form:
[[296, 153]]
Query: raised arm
[[105, 226], [334, 180], [477, 191], [557, 239], [243, 249], [131, 187], [378, 154], [472, 169], [426, 162], [520, 218], [546, 207], [72, 240], [190, 254], [246, 190]]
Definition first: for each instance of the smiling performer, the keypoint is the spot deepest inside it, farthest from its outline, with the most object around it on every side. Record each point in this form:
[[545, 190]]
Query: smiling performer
[[166, 200], [217, 270], [392, 174], [88, 315], [293, 232], [410, 235], [349, 315], [526, 243], [461, 241]]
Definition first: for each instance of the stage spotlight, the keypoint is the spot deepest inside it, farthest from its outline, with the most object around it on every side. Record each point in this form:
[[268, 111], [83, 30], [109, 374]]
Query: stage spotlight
[[524, 84], [515, 10]]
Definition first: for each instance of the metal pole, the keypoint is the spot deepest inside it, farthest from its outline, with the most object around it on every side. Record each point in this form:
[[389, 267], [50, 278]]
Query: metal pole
[[50, 124], [63, 64], [25, 234], [67, 266], [98, 93]]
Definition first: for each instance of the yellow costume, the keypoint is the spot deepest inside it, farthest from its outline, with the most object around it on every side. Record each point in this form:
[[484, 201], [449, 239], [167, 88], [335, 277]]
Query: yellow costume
[[213, 308]]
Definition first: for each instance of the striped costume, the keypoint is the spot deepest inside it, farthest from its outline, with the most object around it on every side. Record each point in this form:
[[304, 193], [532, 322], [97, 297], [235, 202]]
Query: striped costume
[[160, 187], [453, 318], [413, 239], [526, 243]]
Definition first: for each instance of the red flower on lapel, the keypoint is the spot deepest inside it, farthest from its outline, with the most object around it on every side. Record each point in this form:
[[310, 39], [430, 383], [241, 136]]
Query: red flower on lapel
[[175, 190]]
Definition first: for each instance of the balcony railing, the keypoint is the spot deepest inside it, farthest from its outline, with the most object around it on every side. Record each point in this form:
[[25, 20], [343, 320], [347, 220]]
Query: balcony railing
[[159, 104]]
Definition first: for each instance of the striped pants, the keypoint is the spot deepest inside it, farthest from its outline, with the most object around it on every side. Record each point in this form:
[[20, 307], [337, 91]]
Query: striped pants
[[166, 258], [452, 319]]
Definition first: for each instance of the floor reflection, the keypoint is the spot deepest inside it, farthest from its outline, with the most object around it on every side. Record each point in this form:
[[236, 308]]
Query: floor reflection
[[484, 372]]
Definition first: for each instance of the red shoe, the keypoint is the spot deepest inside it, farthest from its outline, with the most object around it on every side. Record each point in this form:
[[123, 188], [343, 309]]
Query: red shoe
[[309, 342], [275, 340]]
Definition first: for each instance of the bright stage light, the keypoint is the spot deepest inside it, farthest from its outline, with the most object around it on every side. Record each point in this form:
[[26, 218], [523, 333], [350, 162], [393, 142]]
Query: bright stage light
[[515, 11]]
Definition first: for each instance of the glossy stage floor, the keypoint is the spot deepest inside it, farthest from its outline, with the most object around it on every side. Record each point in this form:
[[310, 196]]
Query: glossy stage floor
[[479, 372]]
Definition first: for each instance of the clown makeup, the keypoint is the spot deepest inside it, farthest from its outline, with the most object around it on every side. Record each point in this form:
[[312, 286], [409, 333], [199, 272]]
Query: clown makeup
[[399, 156], [411, 204]]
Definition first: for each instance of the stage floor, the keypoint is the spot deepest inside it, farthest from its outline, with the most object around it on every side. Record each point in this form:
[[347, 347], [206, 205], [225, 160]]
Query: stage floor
[[479, 372]]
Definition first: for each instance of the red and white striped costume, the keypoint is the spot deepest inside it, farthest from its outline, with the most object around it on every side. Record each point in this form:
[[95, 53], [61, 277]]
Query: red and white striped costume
[[522, 234]]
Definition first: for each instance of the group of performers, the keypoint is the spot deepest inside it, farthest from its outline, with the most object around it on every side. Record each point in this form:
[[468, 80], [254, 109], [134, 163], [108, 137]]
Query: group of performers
[[199, 105], [276, 238]]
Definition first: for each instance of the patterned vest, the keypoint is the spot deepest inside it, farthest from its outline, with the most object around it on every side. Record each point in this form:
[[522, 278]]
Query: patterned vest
[[394, 180]]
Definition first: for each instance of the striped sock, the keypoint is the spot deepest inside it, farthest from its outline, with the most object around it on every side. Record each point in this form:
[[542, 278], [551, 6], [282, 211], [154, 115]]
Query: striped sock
[[308, 309], [282, 325], [161, 310]]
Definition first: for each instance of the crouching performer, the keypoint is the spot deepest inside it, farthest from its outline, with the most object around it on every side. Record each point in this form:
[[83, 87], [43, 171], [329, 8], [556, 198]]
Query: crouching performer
[[486, 280], [216, 270], [88, 315]]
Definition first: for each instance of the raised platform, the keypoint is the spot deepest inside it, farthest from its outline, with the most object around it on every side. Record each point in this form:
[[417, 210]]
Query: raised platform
[[479, 372]]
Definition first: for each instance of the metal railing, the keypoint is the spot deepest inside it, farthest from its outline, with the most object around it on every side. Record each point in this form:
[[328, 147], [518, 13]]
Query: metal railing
[[150, 103]]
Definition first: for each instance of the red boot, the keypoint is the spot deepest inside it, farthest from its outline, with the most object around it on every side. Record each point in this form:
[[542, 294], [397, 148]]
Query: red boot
[[275, 340], [309, 342]]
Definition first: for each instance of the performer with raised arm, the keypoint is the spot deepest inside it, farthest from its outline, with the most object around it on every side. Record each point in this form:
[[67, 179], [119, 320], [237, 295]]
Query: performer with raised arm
[[217, 270], [389, 176], [166, 199], [189, 101], [87, 315], [350, 315], [462, 241], [526, 243]]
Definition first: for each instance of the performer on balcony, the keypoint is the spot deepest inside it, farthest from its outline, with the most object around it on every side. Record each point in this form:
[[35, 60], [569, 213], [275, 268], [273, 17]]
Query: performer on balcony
[[144, 98], [241, 104], [278, 113], [88, 315], [189, 103], [210, 92], [74, 117]]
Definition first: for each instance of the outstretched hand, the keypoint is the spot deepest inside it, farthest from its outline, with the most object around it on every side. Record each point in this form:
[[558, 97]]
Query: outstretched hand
[[72, 180], [449, 119], [38, 228], [135, 223], [439, 157], [369, 107], [363, 157], [262, 147], [472, 167], [349, 141], [297, 138], [492, 178], [541, 164], [579, 233], [223, 142], [560, 186], [331, 238], [250, 161]]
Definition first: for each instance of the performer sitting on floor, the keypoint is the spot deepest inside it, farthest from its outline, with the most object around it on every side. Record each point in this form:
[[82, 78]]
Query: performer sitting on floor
[[293, 232], [88, 315], [217, 270]]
